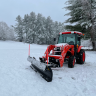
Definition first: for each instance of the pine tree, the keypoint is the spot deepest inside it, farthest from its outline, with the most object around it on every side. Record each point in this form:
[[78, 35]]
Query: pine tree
[[19, 28], [40, 28], [56, 28], [10, 34], [82, 12], [37, 29], [26, 27], [43, 31], [32, 22], [6, 33], [3, 30], [49, 30], [61, 27]]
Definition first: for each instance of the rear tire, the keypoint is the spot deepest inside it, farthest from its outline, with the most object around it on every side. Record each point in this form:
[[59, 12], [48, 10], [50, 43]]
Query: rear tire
[[71, 62], [81, 56]]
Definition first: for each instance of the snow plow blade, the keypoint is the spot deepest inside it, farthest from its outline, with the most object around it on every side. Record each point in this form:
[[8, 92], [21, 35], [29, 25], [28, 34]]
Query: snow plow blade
[[44, 70]]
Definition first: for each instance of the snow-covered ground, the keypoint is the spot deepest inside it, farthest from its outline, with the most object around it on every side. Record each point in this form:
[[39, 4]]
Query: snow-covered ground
[[87, 44], [18, 79]]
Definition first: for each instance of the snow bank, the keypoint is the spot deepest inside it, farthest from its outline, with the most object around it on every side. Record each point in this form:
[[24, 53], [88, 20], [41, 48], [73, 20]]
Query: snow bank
[[87, 44]]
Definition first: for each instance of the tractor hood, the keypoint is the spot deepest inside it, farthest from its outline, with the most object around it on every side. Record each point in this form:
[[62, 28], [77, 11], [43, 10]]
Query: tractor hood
[[60, 44]]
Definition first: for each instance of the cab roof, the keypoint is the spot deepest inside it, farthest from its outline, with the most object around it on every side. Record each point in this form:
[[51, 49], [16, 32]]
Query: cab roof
[[71, 32]]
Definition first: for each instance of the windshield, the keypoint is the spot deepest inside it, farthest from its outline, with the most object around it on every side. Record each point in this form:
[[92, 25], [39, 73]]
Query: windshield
[[67, 38]]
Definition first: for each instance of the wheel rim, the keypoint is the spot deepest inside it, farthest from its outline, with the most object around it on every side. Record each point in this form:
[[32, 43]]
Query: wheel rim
[[73, 61], [83, 56]]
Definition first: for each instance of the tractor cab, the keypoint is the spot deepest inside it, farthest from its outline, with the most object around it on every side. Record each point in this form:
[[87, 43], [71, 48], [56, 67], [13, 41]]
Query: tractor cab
[[71, 38], [70, 42]]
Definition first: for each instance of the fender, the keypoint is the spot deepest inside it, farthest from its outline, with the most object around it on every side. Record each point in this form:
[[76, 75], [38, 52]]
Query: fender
[[79, 48]]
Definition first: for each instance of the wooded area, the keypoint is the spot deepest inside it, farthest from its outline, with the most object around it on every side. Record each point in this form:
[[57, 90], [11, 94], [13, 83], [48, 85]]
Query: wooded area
[[37, 29]]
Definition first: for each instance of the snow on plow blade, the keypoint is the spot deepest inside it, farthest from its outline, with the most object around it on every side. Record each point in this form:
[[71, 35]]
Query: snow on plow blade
[[44, 70]]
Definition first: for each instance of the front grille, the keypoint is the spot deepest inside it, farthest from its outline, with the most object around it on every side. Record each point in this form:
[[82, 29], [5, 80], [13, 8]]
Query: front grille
[[57, 48]]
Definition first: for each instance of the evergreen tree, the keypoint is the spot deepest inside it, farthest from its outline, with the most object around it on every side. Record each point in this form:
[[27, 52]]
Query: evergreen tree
[[3, 30], [40, 28], [19, 28], [32, 27], [61, 27], [82, 13], [77, 27], [10, 34], [6, 33], [49, 30], [43, 31], [56, 28], [26, 27], [37, 29]]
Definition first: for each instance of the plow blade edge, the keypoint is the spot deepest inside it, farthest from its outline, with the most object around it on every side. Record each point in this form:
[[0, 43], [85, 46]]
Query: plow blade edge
[[44, 70]]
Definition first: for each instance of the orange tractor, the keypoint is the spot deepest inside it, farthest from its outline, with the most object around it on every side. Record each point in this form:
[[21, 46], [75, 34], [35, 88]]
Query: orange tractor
[[67, 48]]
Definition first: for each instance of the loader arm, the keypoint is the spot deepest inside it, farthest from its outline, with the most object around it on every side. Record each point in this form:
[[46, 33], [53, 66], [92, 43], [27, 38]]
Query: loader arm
[[49, 48], [66, 48]]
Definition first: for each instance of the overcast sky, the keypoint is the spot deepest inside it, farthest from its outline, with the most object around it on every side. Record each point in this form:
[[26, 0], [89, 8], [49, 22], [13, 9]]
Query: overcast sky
[[10, 9]]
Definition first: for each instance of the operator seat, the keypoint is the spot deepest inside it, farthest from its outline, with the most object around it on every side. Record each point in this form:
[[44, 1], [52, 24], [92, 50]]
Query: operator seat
[[71, 43]]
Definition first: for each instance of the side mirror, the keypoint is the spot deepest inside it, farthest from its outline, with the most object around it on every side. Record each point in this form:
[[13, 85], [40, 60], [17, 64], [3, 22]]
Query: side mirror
[[79, 38], [54, 39]]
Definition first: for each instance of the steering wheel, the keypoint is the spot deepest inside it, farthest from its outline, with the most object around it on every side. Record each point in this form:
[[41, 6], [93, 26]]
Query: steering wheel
[[71, 43]]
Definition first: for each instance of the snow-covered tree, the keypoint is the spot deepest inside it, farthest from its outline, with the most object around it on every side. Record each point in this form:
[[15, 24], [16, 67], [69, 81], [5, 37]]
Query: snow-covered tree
[[41, 32], [19, 28], [89, 10], [6, 33], [56, 28], [3, 30], [40, 28], [32, 26], [49, 30], [10, 34], [37, 29], [83, 13], [61, 27], [25, 27]]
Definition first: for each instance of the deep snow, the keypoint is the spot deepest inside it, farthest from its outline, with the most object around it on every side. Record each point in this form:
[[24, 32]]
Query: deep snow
[[18, 79]]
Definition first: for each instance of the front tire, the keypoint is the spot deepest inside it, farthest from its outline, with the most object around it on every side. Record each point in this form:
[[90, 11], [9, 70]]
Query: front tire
[[71, 62], [81, 56]]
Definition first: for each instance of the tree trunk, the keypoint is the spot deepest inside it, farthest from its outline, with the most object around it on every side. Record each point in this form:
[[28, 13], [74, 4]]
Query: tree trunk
[[94, 45], [33, 38], [93, 37]]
